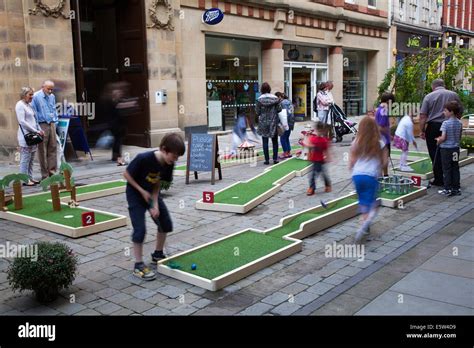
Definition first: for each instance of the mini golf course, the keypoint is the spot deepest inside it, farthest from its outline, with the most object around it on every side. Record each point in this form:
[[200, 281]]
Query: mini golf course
[[222, 262], [242, 197], [234, 257], [38, 212]]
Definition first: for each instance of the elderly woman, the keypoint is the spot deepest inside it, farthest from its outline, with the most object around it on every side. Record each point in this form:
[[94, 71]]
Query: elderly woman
[[27, 124]]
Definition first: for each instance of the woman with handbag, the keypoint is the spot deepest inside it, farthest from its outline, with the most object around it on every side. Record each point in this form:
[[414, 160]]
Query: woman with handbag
[[267, 108], [29, 133]]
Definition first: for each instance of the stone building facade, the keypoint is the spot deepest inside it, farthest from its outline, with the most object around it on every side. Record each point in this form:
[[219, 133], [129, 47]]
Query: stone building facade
[[293, 45]]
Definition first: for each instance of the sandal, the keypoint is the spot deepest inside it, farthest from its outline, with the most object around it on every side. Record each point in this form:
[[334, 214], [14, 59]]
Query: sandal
[[29, 183]]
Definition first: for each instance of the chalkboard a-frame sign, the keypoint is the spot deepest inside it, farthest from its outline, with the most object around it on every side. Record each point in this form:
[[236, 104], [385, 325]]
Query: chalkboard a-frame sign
[[203, 155]]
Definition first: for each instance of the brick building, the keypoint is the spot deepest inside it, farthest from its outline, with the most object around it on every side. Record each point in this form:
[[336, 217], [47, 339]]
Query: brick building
[[206, 71]]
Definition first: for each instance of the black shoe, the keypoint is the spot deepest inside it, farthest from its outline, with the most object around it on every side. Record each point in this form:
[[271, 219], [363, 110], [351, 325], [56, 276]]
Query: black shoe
[[157, 256], [445, 192], [455, 193], [266, 163], [276, 162], [434, 183]]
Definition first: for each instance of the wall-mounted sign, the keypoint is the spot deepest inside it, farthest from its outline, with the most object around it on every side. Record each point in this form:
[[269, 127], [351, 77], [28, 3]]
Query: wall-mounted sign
[[293, 54], [414, 41], [212, 16]]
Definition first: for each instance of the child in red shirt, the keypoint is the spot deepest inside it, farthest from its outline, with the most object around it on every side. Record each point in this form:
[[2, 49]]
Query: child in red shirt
[[319, 155]]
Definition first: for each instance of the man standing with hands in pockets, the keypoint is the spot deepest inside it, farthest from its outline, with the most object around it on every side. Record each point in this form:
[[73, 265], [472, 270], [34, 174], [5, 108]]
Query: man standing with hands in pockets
[[44, 104]]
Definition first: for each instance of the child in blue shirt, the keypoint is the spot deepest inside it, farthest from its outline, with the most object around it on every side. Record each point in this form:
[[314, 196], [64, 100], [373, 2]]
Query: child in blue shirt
[[448, 144]]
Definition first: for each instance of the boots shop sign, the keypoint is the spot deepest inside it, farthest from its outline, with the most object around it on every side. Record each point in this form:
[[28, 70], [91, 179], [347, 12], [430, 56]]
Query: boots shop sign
[[212, 16]]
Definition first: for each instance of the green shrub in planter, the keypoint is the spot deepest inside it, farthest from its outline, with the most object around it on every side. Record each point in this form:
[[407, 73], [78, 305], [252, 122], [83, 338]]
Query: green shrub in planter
[[52, 270], [467, 143]]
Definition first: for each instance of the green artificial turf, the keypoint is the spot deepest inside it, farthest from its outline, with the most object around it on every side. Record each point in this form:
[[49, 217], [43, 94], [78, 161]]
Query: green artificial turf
[[244, 192], [219, 258], [294, 224], [422, 166], [229, 254], [96, 187]]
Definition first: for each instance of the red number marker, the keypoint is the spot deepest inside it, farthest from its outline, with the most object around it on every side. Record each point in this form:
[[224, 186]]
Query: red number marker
[[416, 180], [208, 197], [88, 218]]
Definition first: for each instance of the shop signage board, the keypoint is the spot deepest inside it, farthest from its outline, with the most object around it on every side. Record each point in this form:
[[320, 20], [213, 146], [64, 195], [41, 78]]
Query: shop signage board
[[63, 126], [202, 155], [212, 16]]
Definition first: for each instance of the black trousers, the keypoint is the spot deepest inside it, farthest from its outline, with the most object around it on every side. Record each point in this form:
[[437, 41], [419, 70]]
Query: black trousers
[[432, 132], [450, 161], [275, 148]]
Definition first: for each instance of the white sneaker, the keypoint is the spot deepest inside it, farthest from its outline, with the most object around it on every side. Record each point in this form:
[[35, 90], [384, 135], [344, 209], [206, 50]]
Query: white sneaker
[[406, 169]]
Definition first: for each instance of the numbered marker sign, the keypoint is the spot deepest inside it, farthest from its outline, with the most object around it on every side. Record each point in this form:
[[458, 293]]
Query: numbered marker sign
[[88, 218], [208, 197], [416, 180]]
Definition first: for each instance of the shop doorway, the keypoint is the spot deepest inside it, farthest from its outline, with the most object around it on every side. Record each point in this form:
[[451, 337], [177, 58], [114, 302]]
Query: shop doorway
[[110, 46], [301, 81]]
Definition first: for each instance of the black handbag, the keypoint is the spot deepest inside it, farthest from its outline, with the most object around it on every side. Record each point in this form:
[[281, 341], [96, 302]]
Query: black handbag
[[31, 138]]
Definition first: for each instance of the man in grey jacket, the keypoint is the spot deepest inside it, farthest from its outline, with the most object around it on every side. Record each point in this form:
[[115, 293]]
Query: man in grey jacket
[[431, 118]]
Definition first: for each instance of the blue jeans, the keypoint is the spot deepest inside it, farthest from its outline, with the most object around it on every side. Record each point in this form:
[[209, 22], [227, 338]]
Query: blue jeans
[[27, 156], [285, 141], [318, 168], [137, 208], [275, 148]]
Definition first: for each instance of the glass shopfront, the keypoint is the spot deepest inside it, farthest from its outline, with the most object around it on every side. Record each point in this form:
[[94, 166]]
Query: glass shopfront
[[232, 79], [355, 82], [305, 68]]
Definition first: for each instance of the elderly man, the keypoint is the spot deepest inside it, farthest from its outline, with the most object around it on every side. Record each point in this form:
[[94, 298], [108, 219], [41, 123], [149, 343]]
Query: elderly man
[[44, 104], [431, 116]]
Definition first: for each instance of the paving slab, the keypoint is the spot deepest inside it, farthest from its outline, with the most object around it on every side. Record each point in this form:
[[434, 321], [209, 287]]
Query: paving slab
[[389, 304]]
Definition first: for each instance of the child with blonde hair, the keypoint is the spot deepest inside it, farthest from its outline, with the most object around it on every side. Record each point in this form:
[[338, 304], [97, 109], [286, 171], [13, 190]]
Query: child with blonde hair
[[368, 155]]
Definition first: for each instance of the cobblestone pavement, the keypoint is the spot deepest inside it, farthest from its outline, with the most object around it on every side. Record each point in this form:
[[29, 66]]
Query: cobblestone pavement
[[305, 283]]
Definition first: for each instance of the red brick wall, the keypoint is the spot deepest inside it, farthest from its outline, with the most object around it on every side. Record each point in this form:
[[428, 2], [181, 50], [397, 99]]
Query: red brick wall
[[454, 11]]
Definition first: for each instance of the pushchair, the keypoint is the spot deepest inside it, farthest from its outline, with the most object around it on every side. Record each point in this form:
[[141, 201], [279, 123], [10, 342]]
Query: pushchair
[[339, 123]]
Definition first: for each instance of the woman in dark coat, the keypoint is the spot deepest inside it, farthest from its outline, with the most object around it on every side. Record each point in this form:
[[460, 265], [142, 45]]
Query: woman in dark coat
[[267, 109]]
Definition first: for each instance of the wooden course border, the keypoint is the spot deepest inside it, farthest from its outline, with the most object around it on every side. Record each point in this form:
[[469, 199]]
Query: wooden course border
[[242, 209], [73, 232], [394, 203], [306, 229]]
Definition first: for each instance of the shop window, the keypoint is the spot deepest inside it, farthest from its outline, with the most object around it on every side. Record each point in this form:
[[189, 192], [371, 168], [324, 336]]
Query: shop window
[[232, 78], [355, 82]]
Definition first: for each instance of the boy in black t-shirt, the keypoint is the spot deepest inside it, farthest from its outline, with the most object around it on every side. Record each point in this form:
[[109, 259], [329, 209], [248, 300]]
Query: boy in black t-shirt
[[143, 177]]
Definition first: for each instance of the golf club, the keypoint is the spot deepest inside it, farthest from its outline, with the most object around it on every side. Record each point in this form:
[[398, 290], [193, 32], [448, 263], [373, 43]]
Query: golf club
[[325, 205]]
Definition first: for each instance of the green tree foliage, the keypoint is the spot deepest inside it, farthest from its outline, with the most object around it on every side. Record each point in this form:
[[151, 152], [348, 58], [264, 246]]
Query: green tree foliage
[[410, 79]]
